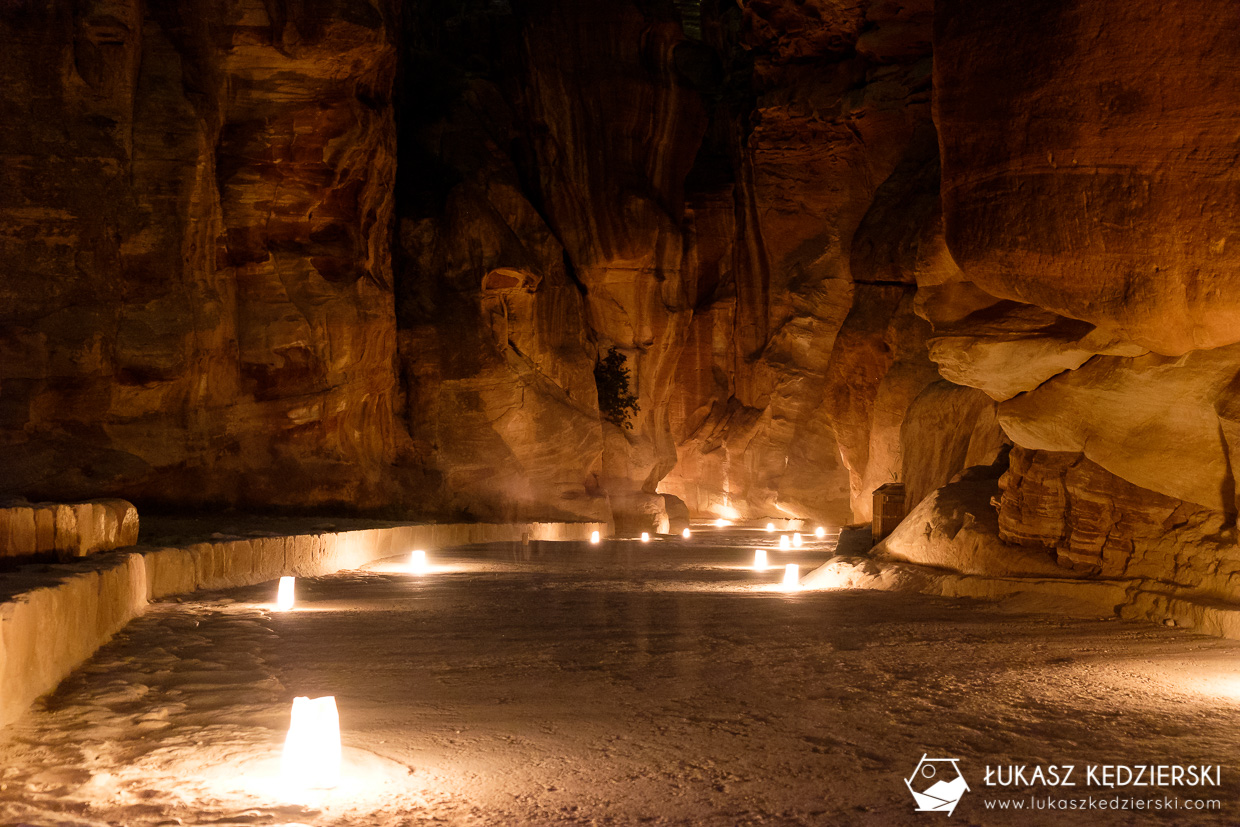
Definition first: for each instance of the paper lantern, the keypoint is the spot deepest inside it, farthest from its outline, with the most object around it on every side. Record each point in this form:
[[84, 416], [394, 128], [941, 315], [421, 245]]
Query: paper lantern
[[784, 542], [796, 540], [685, 534], [312, 749], [720, 523], [759, 560], [770, 527], [594, 536], [417, 562], [645, 536], [792, 576], [284, 594], [820, 532]]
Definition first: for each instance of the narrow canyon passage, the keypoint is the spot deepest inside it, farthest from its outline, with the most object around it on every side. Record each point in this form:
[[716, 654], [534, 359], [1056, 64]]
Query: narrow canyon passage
[[290, 287], [622, 683]]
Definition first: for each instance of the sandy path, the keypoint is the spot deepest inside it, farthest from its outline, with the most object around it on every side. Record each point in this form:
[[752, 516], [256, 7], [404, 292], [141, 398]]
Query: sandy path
[[623, 684]]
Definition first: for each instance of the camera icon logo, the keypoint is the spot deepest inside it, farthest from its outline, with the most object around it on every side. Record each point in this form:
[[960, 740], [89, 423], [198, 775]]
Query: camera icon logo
[[937, 784]]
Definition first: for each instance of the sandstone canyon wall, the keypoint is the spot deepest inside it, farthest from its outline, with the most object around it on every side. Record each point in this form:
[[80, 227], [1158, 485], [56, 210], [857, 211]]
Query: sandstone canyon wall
[[1089, 179], [195, 229], [367, 255], [743, 214]]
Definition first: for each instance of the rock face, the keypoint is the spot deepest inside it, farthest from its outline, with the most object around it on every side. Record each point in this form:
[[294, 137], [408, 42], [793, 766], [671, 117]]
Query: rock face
[[1098, 524], [368, 255], [743, 214], [1153, 420], [498, 372], [955, 528], [1086, 212], [800, 364], [195, 231], [1071, 184], [742, 218], [590, 122], [947, 429]]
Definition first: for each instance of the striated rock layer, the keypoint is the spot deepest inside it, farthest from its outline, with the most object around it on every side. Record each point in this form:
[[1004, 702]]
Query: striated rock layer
[[194, 228], [743, 220], [368, 255], [1097, 523], [1088, 213], [802, 361]]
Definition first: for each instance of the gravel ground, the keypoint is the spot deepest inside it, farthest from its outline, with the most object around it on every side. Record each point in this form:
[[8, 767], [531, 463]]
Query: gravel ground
[[618, 684]]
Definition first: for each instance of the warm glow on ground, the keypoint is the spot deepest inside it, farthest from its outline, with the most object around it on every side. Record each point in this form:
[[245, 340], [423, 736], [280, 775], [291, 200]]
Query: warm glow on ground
[[417, 562], [284, 594], [311, 757], [468, 699]]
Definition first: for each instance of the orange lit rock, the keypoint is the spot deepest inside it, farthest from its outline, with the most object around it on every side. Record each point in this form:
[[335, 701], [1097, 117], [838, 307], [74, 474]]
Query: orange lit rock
[[835, 186], [1086, 211], [498, 373], [1009, 348], [1095, 522], [1073, 184], [618, 126], [878, 367], [1152, 420], [956, 528], [946, 430], [198, 295]]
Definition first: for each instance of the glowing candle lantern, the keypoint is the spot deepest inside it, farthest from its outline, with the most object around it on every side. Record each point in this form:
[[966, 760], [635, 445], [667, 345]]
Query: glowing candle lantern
[[685, 534], [645, 536], [284, 594], [792, 576], [820, 532], [594, 536], [770, 527], [784, 542], [417, 562], [796, 539], [759, 560], [312, 749]]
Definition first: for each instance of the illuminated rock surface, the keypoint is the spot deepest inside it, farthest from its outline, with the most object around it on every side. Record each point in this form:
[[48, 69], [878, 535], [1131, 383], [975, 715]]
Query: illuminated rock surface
[[365, 257], [585, 684], [242, 325], [1091, 205], [1069, 184], [195, 228]]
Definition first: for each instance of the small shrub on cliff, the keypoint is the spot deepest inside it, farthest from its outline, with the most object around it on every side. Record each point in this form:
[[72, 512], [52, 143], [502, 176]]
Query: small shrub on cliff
[[616, 401]]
